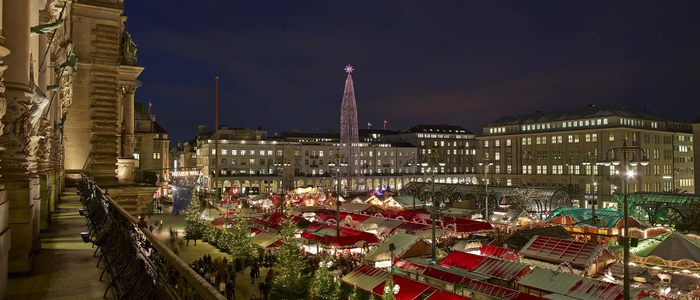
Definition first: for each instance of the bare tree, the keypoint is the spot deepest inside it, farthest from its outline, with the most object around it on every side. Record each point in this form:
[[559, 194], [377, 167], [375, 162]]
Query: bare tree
[[521, 196], [449, 190]]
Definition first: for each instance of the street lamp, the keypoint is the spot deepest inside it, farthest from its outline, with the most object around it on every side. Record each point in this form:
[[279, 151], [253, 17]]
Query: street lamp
[[413, 163], [340, 162], [281, 164], [593, 161], [634, 152], [432, 160], [486, 162]]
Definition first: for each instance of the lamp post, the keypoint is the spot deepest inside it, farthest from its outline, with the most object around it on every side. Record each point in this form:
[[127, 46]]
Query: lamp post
[[486, 162], [413, 163], [281, 163], [635, 152], [593, 161], [433, 160], [339, 161]]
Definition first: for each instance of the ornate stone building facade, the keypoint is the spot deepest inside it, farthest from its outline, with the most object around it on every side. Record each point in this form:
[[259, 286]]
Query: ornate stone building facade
[[67, 83], [100, 131], [35, 89]]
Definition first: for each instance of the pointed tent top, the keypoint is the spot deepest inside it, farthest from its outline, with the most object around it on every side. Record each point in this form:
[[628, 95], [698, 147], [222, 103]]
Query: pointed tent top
[[349, 69]]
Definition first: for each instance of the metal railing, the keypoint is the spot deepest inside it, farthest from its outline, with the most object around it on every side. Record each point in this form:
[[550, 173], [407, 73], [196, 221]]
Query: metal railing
[[139, 265]]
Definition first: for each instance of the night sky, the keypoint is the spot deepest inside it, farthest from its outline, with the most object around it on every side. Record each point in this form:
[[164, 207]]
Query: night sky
[[456, 62]]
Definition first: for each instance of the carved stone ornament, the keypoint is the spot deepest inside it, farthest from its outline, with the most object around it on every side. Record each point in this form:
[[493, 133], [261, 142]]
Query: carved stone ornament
[[128, 146]]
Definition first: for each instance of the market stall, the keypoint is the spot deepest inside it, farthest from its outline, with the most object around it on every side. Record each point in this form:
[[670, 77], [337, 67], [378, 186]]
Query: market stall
[[584, 258], [406, 245]]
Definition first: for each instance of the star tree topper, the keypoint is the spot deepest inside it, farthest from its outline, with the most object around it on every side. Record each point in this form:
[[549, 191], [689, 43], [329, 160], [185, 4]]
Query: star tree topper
[[349, 69]]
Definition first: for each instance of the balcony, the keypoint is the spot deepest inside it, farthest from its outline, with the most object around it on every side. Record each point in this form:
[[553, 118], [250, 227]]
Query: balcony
[[129, 249]]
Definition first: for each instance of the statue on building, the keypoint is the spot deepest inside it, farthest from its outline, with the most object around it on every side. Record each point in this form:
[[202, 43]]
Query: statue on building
[[128, 47]]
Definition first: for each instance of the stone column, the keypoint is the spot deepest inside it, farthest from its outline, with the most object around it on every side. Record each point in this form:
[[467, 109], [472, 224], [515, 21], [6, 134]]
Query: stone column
[[128, 137], [126, 162], [4, 203], [20, 146]]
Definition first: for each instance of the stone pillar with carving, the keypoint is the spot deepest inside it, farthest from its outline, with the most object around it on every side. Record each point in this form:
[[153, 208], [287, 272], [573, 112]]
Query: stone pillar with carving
[[126, 162], [4, 202], [18, 158], [127, 84]]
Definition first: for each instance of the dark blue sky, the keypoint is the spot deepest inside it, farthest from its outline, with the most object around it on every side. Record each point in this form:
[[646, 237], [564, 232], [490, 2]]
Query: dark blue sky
[[457, 62]]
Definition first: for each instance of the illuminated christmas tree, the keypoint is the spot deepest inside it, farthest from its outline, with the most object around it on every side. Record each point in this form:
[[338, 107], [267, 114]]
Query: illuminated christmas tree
[[324, 285], [355, 295], [238, 241], [290, 280], [195, 222], [349, 139]]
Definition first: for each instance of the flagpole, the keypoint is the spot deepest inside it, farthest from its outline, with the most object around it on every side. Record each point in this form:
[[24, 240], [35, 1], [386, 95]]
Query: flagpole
[[216, 142]]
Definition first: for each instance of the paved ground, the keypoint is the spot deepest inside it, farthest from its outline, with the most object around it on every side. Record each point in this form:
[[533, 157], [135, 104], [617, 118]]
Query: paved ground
[[191, 253], [64, 268]]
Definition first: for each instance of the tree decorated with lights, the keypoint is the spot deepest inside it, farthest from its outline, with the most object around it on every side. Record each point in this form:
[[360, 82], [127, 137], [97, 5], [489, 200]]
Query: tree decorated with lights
[[349, 139], [238, 241], [390, 289], [290, 264], [355, 294], [195, 222], [324, 285]]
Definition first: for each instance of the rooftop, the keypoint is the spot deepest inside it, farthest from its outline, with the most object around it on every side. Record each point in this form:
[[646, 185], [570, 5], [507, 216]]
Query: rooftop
[[583, 113], [442, 128]]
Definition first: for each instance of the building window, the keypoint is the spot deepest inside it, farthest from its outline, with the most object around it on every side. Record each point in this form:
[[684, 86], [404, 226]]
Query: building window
[[611, 136], [507, 143], [224, 152], [223, 161], [234, 152], [497, 143]]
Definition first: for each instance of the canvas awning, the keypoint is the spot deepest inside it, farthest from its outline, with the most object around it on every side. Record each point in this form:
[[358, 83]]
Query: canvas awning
[[365, 278], [470, 227], [492, 267], [557, 251], [445, 295], [427, 271], [266, 240], [409, 289], [503, 253], [352, 241], [401, 241], [310, 236], [575, 286]]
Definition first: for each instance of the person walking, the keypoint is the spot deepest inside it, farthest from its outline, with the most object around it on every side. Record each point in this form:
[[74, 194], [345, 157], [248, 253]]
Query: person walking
[[231, 290], [256, 265], [266, 291], [252, 275], [222, 287]]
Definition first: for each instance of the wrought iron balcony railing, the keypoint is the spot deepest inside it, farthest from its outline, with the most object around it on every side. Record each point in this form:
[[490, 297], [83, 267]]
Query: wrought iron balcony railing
[[139, 264]]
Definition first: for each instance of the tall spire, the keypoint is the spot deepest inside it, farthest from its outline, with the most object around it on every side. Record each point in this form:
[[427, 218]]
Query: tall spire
[[349, 140]]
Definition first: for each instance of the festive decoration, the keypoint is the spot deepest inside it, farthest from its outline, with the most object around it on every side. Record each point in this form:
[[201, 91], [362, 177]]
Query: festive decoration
[[324, 286], [355, 295], [195, 222], [290, 281], [238, 240], [390, 289], [349, 139]]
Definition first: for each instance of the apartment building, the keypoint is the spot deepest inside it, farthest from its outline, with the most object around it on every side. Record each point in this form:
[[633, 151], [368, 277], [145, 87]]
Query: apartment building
[[457, 147], [556, 148]]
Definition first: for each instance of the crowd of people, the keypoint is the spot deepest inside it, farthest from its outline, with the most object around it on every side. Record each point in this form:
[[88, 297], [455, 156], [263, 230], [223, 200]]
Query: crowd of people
[[345, 262], [221, 274]]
